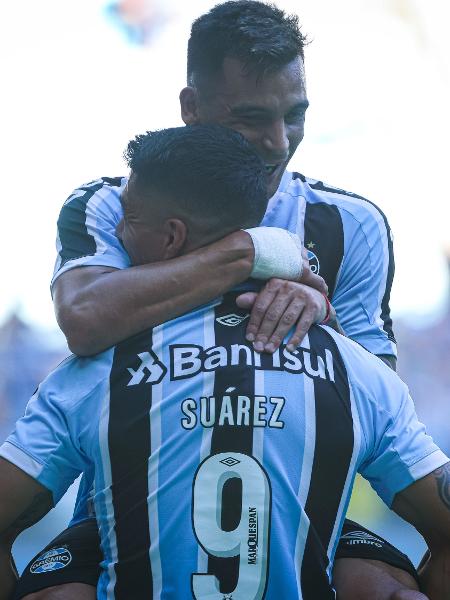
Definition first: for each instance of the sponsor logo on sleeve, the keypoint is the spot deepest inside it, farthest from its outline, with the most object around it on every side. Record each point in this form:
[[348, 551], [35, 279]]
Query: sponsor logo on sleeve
[[51, 560]]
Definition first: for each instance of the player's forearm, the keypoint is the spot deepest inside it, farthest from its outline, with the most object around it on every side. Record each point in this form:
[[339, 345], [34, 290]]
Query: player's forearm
[[118, 304]]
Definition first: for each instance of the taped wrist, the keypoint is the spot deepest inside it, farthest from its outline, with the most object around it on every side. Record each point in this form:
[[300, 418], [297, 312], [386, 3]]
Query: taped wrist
[[278, 253]]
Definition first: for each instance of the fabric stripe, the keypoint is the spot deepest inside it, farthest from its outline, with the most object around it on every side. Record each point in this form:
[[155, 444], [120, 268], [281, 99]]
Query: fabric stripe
[[323, 222], [207, 392], [258, 432], [107, 523], [345, 500], [332, 456], [76, 229], [153, 470], [301, 210], [129, 438], [383, 318], [208, 379], [306, 469], [23, 460], [230, 381], [74, 239]]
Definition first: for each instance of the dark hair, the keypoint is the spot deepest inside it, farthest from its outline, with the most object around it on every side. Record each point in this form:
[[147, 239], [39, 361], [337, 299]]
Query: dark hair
[[207, 171], [260, 35]]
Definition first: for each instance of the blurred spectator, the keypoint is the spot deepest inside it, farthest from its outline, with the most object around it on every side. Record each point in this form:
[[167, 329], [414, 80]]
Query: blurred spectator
[[138, 20], [26, 356], [424, 363]]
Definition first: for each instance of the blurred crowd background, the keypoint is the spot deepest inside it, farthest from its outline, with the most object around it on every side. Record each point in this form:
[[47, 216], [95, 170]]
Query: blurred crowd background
[[81, 77]]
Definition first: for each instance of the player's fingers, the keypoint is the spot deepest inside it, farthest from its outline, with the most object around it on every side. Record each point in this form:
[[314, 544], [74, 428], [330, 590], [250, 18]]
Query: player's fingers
[[246, 300], [307, 319], [271, 319], [288, 319], [260, 305], [315, 281]]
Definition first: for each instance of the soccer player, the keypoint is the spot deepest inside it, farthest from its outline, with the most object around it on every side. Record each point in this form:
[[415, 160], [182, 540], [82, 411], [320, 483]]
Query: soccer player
[[245, 71], [218, 472]]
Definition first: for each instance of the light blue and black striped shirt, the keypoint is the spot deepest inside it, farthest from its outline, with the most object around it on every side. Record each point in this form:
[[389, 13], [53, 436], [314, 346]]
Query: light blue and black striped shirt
[[220, 473], [348, 240]]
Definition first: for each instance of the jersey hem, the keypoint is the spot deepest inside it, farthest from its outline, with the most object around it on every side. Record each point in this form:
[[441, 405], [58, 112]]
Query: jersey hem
[[416, 471], [21, 459], [88, 261]]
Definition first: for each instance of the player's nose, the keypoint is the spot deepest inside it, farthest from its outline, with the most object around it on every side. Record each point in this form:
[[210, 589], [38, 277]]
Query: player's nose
[[275, 141]]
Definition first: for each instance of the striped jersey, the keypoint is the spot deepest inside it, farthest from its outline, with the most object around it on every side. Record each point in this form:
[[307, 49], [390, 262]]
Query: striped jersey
[[219, 473], [347, 238]]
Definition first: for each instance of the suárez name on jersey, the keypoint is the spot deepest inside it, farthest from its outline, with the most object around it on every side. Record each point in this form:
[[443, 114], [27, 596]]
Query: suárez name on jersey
[[189, 360]]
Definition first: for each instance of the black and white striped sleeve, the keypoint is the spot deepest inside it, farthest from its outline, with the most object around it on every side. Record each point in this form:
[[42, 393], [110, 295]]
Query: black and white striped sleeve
[[87, 228]]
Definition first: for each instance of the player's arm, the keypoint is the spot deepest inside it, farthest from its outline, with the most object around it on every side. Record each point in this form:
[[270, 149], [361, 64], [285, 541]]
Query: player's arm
[[403, 464], [39, 461], [426, 505], [97, 307], [23, 502], [104, 301]]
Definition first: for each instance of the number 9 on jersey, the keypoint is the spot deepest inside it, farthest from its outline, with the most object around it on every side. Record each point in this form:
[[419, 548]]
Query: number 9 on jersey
[[249, 540]]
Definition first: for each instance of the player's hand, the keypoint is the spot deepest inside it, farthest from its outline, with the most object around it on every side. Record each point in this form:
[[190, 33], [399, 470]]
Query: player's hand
[[277, 308], [309, 278]]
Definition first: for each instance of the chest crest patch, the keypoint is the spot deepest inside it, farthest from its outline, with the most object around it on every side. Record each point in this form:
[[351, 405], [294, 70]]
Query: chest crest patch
[[312, 257]]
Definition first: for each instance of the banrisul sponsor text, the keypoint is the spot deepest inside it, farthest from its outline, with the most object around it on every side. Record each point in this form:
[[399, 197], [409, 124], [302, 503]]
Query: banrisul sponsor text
[[189, 360]]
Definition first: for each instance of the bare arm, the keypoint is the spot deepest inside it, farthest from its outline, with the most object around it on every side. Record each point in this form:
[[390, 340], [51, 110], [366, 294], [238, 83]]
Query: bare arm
[[97, 307], [426, 505], [367, 579], [23, 502]]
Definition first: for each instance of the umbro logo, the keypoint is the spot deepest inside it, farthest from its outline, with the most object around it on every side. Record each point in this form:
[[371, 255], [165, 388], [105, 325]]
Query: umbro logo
[[230, 461], [150, 370], [232, 320], [361, 537]]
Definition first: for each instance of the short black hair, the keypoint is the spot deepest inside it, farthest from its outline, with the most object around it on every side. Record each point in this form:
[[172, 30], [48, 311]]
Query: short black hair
[[262, 36], [207, 171]]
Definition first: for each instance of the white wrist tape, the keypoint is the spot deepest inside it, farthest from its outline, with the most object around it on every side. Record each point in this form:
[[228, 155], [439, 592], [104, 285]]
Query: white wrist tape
[[278, 253]]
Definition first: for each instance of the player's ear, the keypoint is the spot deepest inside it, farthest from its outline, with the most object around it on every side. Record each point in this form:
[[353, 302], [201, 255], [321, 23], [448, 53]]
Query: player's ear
[[175, 236], [189, 105]]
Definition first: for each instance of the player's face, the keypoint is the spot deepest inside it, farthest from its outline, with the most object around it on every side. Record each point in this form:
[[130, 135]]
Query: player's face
[[141, 237], [268, 110]]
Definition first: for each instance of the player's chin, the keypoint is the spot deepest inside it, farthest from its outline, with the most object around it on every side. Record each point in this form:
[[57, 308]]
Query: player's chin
[[273, 182]]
